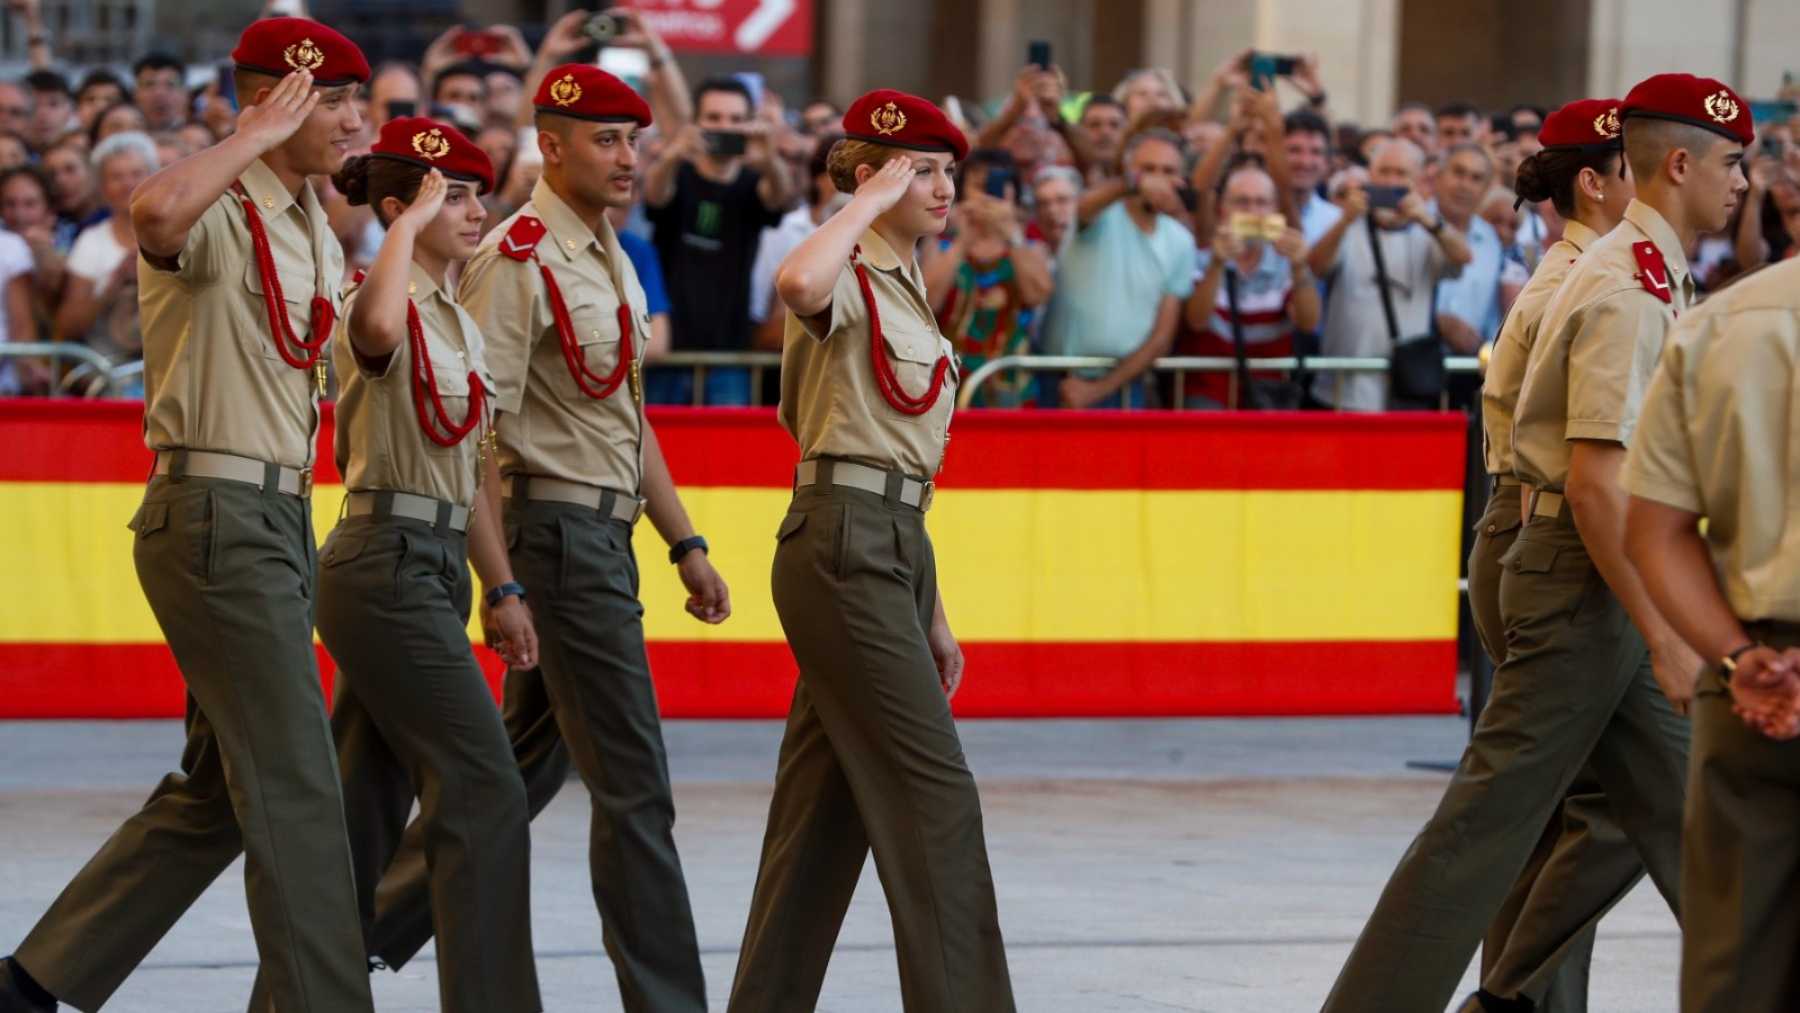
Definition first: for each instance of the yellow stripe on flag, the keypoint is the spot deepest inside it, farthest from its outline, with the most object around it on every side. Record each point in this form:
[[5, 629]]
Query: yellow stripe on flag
[[1015, 565]]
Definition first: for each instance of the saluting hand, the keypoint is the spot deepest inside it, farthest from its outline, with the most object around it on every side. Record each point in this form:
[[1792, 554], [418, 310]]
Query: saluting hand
[[947, 654], [709, 600], [890, 182], [276, 118], [428, 202]]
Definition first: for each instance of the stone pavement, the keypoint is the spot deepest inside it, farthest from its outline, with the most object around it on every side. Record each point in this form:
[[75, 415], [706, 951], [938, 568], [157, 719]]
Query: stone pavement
[[1215, 865]]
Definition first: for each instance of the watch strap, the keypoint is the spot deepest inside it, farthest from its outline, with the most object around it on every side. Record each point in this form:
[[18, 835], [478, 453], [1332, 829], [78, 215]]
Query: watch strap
[[499, 593], [1730, 662], [679, 550]]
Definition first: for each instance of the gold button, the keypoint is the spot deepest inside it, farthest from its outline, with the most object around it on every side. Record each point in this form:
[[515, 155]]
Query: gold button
[[412, 288], [570, 243], [596, 332], [269, 203]]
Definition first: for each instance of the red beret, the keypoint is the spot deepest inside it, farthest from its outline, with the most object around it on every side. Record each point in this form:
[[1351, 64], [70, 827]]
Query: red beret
[[426, 142], [1584, 123], [1697, 101], [280, 46], [894, 118], [586, 92]]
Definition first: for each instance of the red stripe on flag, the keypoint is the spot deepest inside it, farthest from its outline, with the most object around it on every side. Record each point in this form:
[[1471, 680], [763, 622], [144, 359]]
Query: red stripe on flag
[[68, 441], [755, 680]]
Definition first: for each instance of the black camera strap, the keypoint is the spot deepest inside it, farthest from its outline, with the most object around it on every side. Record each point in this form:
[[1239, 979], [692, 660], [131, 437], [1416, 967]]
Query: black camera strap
[[1381, 281]]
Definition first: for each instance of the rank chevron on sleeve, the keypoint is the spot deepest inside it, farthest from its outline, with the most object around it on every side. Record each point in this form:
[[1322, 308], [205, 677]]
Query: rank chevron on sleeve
[[522, 238]]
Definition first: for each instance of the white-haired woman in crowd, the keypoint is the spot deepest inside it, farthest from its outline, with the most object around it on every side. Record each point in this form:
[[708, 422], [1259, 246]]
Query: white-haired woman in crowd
[[99, 305]]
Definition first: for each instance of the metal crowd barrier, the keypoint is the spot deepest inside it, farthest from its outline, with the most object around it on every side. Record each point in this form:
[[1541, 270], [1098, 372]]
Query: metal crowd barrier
[[90, 366], [1182, 365], [700, 362]]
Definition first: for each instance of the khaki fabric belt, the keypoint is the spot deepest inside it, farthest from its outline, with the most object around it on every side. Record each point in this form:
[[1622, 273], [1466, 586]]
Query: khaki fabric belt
[[179, 464], [891, 484], [383, 504], [1545, 503], [620, 506], [1506, 481]]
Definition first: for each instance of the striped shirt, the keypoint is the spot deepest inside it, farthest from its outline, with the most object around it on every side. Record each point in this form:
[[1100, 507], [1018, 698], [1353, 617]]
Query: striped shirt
[[1264, 305]]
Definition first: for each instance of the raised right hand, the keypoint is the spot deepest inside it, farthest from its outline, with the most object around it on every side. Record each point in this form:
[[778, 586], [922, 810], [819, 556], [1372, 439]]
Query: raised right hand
[[1226, 245], [275, 119], [429, 201], [890, 182], [565, 38], [1355, 201]]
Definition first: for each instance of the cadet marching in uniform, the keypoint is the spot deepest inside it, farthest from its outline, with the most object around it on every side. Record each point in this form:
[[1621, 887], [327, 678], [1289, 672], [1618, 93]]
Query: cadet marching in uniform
[[412, 713], [871, 759], [1576, 686], [1716, 441], [1546, 960], [235, 317], [564, 318]]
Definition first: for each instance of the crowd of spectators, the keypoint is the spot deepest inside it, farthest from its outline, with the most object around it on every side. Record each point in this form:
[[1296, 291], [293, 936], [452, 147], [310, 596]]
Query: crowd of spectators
[[1236, 219]]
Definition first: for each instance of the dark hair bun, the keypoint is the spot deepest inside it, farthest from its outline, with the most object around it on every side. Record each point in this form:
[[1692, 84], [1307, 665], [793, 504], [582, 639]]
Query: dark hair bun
[[1533, 182], [353, 180]]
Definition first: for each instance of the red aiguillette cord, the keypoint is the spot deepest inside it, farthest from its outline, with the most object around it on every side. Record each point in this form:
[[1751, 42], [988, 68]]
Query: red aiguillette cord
[[281, 330]]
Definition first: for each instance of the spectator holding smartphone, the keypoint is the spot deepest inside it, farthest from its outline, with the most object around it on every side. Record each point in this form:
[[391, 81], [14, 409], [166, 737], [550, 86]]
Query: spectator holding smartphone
[[1766, 233], [1418, 250], [987, 284], [1125, 275], [716, 186]]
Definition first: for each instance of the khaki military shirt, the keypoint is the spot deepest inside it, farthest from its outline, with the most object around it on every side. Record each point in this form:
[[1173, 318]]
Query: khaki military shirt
[[1512, 348], [1720, 437], [830, 402], [213, 378], [1597, 348], [380, 445], [548, 425]]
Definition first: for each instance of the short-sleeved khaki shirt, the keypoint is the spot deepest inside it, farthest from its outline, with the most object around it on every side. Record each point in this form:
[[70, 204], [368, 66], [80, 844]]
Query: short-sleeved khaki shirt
[[380, 444], [549, 426], [1597, 348], [1720, 437], [830, 402], [213, 378], [1512, 348]]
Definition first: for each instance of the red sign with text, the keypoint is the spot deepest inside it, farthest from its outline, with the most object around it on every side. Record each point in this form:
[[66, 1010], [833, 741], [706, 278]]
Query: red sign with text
[[763, 27]]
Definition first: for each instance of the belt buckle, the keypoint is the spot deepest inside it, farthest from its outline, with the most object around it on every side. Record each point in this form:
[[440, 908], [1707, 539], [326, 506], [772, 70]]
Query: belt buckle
[[637, 512], [926, 495], [306, 481]]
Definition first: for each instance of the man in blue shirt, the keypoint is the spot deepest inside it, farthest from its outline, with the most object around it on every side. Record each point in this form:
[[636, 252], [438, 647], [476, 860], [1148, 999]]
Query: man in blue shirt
[[1308, 148], [1124, 275], [1468, 306]]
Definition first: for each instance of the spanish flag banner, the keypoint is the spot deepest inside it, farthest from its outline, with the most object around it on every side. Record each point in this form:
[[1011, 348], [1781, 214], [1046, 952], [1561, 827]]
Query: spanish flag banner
[[1092, 564]]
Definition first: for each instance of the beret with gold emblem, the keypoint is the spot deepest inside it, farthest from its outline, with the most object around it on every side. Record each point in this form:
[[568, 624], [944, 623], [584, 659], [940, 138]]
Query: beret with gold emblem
[[1583, 123], [894, 118], [1697, 101], [434, 145], [586, 92], [280, 46]]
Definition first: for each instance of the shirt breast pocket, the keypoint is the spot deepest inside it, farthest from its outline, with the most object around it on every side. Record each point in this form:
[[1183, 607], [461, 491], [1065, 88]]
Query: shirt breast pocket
[[296, 302], [450, 374], [596, 330], [914, 355]]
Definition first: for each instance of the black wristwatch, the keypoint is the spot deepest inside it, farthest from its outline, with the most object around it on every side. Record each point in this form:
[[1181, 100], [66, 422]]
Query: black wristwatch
[[1436, 227], [1730, 662], [679, 550], [496, 595]]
